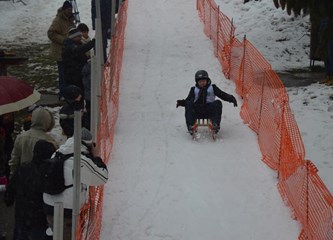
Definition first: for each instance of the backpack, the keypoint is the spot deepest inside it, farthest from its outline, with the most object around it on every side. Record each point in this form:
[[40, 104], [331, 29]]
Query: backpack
[[53, 171]]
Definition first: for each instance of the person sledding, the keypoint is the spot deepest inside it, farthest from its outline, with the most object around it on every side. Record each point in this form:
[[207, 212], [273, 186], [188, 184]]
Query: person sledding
[[201, 104]]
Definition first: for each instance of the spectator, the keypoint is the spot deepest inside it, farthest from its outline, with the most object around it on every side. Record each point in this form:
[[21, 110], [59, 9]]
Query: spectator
[[27, 118], [6, 143], [83, 28], [57, 33], [42, 121], [26, 190], [74, 58], [93, 173], [73, 100], [325, 46], [105, 20]]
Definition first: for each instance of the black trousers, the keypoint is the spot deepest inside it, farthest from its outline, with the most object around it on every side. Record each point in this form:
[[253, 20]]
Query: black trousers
[[212, 111]]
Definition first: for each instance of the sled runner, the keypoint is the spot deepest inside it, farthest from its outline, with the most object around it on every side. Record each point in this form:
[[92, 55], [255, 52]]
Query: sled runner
[[202, 123]]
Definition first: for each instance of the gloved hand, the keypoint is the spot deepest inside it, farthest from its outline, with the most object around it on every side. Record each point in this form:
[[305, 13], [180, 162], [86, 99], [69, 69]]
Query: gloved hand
[[234, 102], [180, 103], [108, 33], [98, 161]]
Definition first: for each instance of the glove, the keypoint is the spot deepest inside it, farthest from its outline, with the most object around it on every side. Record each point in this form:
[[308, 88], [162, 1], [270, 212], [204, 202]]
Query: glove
[[98, 161], [108, 33], [180, 103], [234, 102]]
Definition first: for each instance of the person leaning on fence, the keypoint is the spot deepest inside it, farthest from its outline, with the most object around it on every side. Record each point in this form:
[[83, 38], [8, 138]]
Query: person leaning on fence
[[83, 28], [201, 103], [57, 33], [42, 121], [74, 58], [26, 190], [93, 173], [73, 98]]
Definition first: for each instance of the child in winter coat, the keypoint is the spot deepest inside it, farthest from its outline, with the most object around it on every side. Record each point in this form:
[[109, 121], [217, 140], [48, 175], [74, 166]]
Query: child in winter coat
[[200, 102], [83, 28], [93, 173]]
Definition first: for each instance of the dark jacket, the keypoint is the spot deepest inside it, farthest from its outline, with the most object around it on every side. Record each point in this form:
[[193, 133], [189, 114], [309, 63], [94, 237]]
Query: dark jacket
[[74, 59], [66, 119], [105, 13], [26, 188], [86, 80]]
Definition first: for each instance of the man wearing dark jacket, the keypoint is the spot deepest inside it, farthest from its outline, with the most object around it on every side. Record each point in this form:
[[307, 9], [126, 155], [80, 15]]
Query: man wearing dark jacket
[[74, 58], [200, 102], [26, 190]]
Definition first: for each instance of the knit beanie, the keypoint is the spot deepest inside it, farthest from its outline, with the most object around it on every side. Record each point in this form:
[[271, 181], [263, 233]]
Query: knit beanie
[[42, 150], [74, 32], [86, 136], [66, 5], [72, 92]]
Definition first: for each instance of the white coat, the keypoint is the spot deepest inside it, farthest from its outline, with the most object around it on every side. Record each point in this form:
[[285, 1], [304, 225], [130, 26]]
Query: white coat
[[91, 175]]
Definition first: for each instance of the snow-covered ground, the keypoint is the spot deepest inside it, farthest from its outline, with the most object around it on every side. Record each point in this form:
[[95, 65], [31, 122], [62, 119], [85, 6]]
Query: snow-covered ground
[[163, 185]]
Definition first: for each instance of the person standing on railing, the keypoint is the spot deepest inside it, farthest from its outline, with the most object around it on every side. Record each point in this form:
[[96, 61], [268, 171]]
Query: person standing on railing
[[200, 102], [57, 33]]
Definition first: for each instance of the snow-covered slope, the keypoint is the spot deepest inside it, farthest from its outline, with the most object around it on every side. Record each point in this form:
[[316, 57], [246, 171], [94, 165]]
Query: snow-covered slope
[[163, 185]]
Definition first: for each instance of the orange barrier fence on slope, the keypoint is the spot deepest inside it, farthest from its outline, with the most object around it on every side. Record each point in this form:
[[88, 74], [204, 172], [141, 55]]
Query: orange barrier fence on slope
[[267, 112], [91, 214]]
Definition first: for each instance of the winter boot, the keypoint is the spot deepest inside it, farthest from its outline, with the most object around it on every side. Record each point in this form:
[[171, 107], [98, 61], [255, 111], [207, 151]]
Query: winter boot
[[192, 129], [216, 128]]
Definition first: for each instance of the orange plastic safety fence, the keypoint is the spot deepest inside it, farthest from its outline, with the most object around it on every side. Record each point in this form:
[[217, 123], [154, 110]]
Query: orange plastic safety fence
[[267, 112], [219, 29], [91, 214]]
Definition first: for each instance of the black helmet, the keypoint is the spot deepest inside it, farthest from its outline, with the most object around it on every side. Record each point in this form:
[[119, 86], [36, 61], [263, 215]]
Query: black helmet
[[201, 74]]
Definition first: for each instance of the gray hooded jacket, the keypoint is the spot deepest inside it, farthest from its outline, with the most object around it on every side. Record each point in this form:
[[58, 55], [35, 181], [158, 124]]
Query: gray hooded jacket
[[42, 121]]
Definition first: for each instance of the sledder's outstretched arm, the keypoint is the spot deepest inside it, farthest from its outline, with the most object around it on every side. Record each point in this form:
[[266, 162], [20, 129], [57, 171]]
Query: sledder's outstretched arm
[[190, 97], [224, 96]]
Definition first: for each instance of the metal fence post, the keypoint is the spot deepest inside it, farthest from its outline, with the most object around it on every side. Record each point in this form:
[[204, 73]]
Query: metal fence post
[[77, 171], [58, 221]]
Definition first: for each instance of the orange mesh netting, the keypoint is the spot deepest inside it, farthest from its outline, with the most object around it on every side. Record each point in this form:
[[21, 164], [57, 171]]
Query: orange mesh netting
[[267, 112]]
